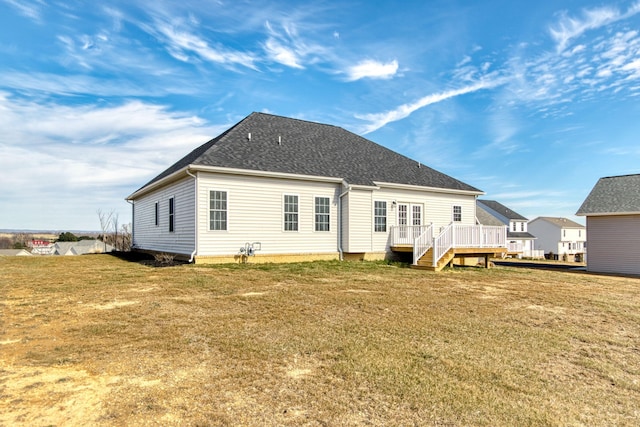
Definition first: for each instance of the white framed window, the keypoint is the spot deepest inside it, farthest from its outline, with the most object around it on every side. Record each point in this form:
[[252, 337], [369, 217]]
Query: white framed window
[[290, 212], [157, 214], [322, 209], [217, 210], [457, 213], [172, 216], [416, 215], [380, 216], [522, 226]]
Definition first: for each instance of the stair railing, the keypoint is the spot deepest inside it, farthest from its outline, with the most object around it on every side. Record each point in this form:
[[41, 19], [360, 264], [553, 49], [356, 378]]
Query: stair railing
[[422, 243]]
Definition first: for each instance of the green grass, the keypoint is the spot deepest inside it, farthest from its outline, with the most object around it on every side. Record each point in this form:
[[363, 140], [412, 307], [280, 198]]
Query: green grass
[[324, 343]]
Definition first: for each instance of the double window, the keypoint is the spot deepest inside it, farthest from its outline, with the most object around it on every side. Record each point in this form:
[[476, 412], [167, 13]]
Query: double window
[[290, 212], [218, 210], [322, 209], [380, 216]]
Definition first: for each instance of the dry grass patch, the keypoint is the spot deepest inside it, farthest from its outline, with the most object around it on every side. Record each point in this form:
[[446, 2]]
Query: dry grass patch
[[97, 340]]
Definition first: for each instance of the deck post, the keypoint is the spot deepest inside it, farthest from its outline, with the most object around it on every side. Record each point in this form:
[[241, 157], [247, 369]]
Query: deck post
[[486, 261]]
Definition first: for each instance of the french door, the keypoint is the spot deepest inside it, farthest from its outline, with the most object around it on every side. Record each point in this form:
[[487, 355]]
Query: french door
[[409, 215]]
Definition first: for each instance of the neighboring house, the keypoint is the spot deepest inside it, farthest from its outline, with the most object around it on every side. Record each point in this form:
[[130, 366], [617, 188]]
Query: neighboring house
[[284, 189], [613, 225], [14, 252], [561, 238], [519, 240], [81, 247]]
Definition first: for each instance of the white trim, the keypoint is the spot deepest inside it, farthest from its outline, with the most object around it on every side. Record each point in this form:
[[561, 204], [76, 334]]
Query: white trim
[[284, 230], [209, 190], [386, 216], [607, 214], [250, 172], [315, 213], [424, 188]]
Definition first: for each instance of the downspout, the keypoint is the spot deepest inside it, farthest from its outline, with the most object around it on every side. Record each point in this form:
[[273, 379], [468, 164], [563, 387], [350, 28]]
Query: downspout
[[340, 222], [133, 221], [195, 225]]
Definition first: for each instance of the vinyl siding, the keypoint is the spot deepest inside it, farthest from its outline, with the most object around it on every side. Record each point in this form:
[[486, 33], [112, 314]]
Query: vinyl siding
[[255, 213], [614, 244], [158, 238], [359, 212]]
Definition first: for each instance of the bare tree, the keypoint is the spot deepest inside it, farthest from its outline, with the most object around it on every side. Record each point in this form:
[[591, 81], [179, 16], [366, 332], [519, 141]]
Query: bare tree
[[105, 224], [125, 236], [114, 222]]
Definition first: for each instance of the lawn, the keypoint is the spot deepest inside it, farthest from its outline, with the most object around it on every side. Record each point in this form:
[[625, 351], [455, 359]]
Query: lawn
[[96, 340]]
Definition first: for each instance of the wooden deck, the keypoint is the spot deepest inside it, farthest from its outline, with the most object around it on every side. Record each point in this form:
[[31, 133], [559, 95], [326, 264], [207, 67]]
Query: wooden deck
[[456, 241]]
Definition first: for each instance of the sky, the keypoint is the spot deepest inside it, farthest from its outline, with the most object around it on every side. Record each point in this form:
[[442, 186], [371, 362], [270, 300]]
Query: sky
[[531, 102]]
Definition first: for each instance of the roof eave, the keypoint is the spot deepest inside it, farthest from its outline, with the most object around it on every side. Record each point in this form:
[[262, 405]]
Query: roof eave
[[425, 188], [607, 213], [159, 183]]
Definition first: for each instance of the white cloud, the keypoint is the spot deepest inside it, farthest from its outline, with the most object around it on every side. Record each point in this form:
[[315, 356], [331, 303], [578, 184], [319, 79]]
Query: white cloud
[[94, 154], [285, 46], [372, 70], [27, 8], [378, 120], [182, 43], [568, 28]]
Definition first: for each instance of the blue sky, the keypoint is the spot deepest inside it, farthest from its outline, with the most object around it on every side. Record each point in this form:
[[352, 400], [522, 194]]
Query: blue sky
[[531, 102]]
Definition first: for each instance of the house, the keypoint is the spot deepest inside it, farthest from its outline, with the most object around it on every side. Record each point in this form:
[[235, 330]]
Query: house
[[612, 210], [81, 247], [277, 189], [14, 252], [559, 238], [519, 240]]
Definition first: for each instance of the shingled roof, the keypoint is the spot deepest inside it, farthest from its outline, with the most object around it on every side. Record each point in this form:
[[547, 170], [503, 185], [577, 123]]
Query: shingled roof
[[269, 143], [613, 195], [502, 209]]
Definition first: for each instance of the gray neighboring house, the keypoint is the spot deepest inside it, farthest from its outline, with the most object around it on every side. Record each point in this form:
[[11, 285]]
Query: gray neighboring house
[[15, 252], [281, 189], [559, 237], [81, 247], [519, 240], [612, 210]]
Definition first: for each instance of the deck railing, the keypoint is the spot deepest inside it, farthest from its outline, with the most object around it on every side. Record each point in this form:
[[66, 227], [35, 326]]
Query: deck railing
[[407, 234], [422, 243], [452, 236]]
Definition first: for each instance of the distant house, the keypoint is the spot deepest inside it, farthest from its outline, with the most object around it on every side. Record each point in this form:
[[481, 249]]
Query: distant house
[[562, 238], [613, 225], [15, 252], [81, 247], [280, 189], [520, 241]]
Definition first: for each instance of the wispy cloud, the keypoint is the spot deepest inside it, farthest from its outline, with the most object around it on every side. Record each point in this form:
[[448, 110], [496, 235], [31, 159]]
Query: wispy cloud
[[372, 70], [182, 45], [30, 9], [568, 28], [378, 120], [285, 46]]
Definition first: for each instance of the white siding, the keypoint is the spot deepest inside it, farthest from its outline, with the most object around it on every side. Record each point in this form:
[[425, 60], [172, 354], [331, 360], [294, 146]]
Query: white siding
[[614, 244], [158, 238], [255, 214], [359, 216], [437, 208], [552, 238]]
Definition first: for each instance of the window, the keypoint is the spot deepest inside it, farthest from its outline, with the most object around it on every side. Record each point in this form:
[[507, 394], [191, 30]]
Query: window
[[457, 213], [322, 213], [157, 213], [380, 216], [171, 214], [417, 214], [290, 213], [522, 226], [513, 225], [218, 210]]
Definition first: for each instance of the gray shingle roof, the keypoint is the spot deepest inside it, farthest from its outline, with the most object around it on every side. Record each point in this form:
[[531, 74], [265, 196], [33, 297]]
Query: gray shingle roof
[[292, 146], [613, 195], [485, 218], [559, 222], [501, 209]]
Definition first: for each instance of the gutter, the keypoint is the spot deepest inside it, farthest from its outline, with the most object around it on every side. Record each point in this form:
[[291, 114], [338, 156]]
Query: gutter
[[195, 225], [340, 222]]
